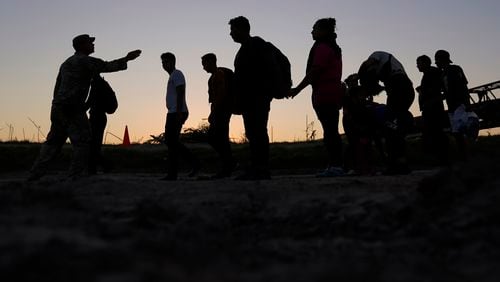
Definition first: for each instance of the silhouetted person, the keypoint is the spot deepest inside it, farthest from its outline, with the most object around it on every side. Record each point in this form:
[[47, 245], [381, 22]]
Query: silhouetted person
[[456, 94], [360, 127], [101, 101], [323, 73], [220, 85], [176, 116], [68, 114], [384, 67], [430, 101], [252, 88]]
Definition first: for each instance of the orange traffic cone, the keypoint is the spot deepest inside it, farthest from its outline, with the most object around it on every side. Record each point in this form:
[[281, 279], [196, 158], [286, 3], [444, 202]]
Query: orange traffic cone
[[126, 139]]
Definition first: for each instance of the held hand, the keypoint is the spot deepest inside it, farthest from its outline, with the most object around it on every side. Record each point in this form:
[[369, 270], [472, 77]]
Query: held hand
[[293, 92], [183, 116], [211, 118], [132, 55]]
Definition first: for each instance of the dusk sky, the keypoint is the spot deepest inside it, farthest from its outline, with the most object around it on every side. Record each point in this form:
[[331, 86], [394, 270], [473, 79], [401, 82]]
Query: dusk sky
[[36, 38]]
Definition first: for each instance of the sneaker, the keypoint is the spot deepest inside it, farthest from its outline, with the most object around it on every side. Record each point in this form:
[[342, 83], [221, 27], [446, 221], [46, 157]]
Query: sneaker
[[332, 171]]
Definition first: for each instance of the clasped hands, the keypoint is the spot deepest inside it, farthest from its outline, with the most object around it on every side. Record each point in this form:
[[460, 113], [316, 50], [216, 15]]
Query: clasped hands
[[292, 93]]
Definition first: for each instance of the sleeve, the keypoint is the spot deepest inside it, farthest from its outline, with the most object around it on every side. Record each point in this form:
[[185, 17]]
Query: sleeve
[[97, 66], [58, 83], [178, 79], [220, 85]]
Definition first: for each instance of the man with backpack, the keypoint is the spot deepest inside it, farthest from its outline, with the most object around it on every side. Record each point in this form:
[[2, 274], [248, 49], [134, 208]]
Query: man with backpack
[[101, 101], [256, 77], [220, 97]]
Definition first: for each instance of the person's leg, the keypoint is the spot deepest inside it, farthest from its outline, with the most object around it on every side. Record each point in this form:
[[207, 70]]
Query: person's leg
[[255, 118], [79, 135], [436, 139], [458, 130], [427, 142], [97, 126], [396, 147], [190, 157], [400, 96], [442, 138], [364, 155], [441, 149], [172, 134], [52, 146], [350, 160], [461, 146], [329, 119], [219, 139], [106, 163]]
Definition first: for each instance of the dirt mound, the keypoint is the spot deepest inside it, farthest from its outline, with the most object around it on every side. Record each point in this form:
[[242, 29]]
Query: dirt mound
[[426, 226]]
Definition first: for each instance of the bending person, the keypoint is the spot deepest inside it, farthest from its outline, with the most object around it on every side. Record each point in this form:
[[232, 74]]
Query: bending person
[[384, 67]]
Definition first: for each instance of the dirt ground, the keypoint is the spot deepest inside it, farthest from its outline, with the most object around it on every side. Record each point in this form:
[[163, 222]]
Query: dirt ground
[[431, 225]]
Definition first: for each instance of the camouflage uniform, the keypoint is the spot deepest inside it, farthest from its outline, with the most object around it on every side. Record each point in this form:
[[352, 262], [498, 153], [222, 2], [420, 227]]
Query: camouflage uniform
[[68, 114]]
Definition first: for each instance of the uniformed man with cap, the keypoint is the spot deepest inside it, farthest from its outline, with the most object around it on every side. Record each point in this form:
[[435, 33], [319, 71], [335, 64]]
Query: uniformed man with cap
[[68, 113]]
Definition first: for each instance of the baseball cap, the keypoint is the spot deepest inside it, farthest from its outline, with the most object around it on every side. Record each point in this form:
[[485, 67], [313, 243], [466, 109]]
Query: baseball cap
[[443, 54], [82, 39]]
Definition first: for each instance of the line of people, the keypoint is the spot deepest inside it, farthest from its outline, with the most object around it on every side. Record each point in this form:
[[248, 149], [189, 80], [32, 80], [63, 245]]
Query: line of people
[[248, 92]]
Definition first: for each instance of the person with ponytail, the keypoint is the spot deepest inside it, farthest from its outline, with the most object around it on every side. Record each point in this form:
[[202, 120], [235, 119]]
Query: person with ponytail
[[324, 73]]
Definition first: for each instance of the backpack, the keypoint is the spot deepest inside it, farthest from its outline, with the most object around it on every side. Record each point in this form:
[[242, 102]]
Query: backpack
[[279, 72], [235, 103], [102, 95], [231, 103]]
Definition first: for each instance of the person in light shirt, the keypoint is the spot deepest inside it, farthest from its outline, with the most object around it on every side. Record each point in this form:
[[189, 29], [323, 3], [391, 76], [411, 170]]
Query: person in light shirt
[[177, 114]]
